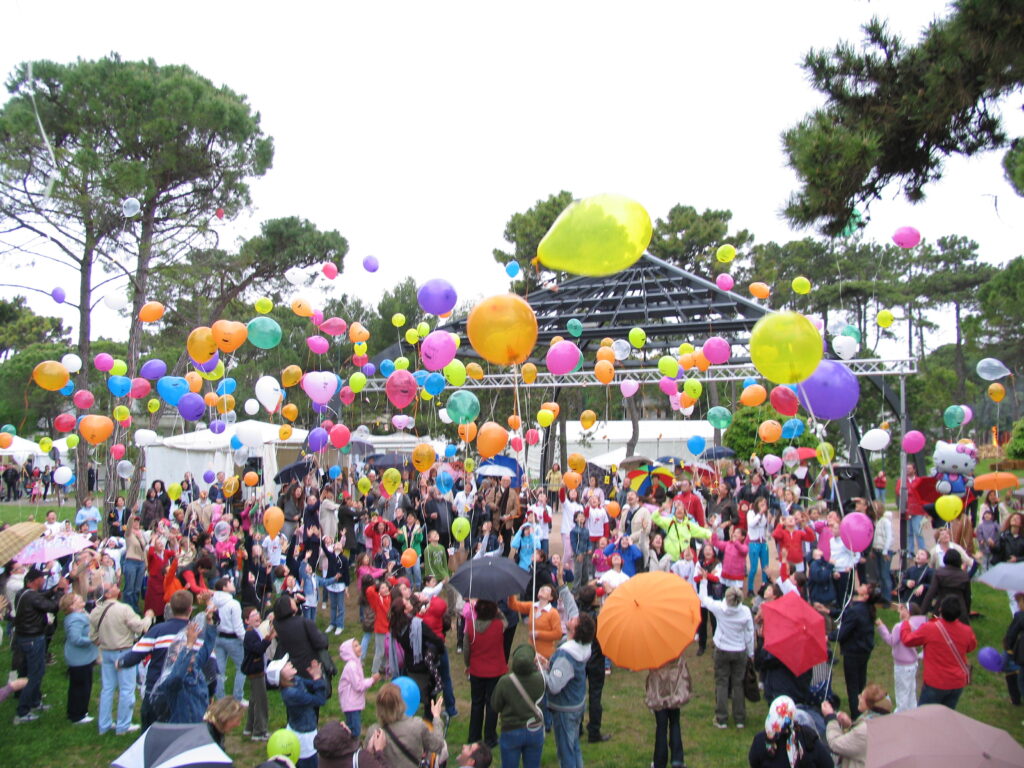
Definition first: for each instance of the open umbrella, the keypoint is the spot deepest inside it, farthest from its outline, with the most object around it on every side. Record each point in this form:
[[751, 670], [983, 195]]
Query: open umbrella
[[806, 453], [996, 481], [646, 476], [718, 452], [45, 550], [939, 737], [649, 620], [794, 633], [489, 578], [1005, 576], [16, 537], [382, 461], [166, 745], [294, 471], [634, 461]]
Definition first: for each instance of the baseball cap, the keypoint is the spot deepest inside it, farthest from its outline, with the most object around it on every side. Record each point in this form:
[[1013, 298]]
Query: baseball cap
[[274, 670]]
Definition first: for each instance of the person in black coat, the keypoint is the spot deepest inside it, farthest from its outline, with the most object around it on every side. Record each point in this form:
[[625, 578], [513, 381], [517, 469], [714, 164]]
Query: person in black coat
[[950, 579], [1013, 644], [855, 634], [421, 663], [916, 579], [779, 680], [771, 750], [297, 636]]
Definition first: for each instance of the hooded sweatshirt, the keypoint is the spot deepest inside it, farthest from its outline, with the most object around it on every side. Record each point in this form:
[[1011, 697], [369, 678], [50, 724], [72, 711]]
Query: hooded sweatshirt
[[352, 685], [514, 710], [229, 614]]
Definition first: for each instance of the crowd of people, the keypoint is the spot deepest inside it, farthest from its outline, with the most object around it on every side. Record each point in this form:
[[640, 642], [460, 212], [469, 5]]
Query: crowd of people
[[269, 603]]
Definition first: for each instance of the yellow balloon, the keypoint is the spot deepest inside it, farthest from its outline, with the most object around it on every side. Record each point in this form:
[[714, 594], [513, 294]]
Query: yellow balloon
[[51, 375], [230, 486], [885, 319], [45, 444], [121, 412], [359, 347], [455, 373], [726, 253], [152, 405], [423, 329], [825, 453], [599, 235], [949, 507], [474, 371], [502, 329], [545, 417], [587, 419], [529, 373], [686, 348], [290, 412], [391, 479], [996, 392], [284, 432], [216, 373], [469, 464], [801, 285], [263, 305], [291, 376], [424, 395], [398, 319], [201, 345], [364, 485], [457, 339], [423, 457], [411, 336], [174, 491], [785, 347], [225, 403], [402, 363]]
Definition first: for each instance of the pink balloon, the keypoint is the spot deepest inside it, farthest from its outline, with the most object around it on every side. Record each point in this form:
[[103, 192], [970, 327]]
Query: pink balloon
[[330, 270], [668, 386], [320, 386], [913, 441], [398, 421], [857, 531], [339, 435], [126, 423], [717, 350], [725, 281], [140, 388], [532, 437], [83, 399], [103, 361], [968, 414], [117, 451], [317, 317], [437, 350], [333, 326], [347, 395], [516, 443], [771, 463], [675, 402], [318, 345], [629, 387], [906, 237], [401, 389], [563, 357]]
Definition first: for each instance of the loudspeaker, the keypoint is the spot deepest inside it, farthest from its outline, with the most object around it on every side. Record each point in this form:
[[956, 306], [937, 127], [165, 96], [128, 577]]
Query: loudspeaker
[[851, 484]]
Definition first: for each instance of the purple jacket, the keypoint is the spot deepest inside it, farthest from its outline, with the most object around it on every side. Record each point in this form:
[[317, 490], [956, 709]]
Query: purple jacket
[[901, 654]]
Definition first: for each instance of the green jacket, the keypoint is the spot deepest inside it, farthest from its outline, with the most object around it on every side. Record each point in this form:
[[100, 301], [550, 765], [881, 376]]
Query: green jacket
[[415, 541], [435, 562], [514, 710], [678, 534]]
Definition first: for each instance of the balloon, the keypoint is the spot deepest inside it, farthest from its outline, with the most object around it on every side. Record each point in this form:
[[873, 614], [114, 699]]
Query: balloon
[[83, 399], [191, 406], [301, 307], [317, 439], [119, 368], [58, 294], [124, 469], [72, 362], [801, 285], [491, 439], [629, 387], [770, 431], [693, 388], [725, 281], [696, 445], [968, 414], [845, 347], [95, 429], [512, 269], [174, 491], [562, 357], [502, 329], [116, 301], [856, 531], [401, 389], [604, 371], [423, 457], [321, 385], [875, 440], [906, 237], [771, 463], [603, 353], [725, 253], [434, 384], [991, 659], [637, 337], [284, 432], [437, 350], [825, 452], [953, 416], [949, 507], [831, 392], [264, 332], [330, 270], [467, 432], [436, 296], [455, 373], [717, 350], [884, 318], [410, 692], [599, 235], [152, 405], [577, 462], [409, 558], [121, 413], [760, 290], [785, 347], [145, 437], [249, 434], [171, 388], [575, 327], [263, 305], [103, 362], [719, 417], [412, 337], [784, 401], [333, 326], [913, 441], [151, 311], [391, 479], [283, 741], [996, 392], [130, 207], [587, 419], [153, 369], [357, 332], [251, 480], [370, 263], [251, 406], [65, 422], [991, 369], [571, 479], [62, 475], [200, 344], [445, 482], [317, 344], [460, 528], [545, 417], [50, 375], [753, 395]]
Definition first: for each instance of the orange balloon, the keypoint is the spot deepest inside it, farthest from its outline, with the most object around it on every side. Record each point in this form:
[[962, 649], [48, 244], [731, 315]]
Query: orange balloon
[[686, 361], [291, 376], [225, 403], [607, 341], [529, 373], [357, 333], [760, 290], [613, 509], [273, 521], [200, 344], [51, 375], [769, 431], [95, 429], [284, 432], [571, 479], [474, 371], [151, 311], [491, 440], [423, 457], [290, 411], [210, 399], [685, 400], [555, 340], [576, 462], [409, 558], [467, 432], [301, 308], [604, 371], [553, 407], [229, 335], [251, 479], [753, 395], [606, 353], [502, 329], [6, 439], [514, 422], [700, 361], [195, 381]]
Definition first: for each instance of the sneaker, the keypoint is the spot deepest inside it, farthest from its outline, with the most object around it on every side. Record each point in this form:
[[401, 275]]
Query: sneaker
[[21, 719], [338, 630], [723, 726], [130, 729], [261, 737], [84, 720], [247, 732], [458, 648], [740, 726], [607, 671], [244, 702], [42, 708]]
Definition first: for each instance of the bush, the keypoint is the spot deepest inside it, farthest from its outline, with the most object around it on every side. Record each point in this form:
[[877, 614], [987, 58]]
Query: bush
[[1015, 448]]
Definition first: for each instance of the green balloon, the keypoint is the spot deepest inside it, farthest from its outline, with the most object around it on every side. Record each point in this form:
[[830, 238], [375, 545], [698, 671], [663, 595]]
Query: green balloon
[[853, 224], [637, 337], [284, 742], [402, 363], [9, 429], [693, 388], [953, 416], [455, 373], [668, 366], [852, 332], [264, 333], [575, 327], [719, 417], [460, 528], [119, 368], [463, 407]]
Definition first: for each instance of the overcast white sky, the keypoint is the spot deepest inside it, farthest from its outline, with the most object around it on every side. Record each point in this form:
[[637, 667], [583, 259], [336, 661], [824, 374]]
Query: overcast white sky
[[417, 128]]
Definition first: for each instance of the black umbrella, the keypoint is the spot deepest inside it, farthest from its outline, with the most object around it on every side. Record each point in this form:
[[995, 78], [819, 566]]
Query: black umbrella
[[489, 578], [295, 471], [174, 746], [382, 461], [718, 452]]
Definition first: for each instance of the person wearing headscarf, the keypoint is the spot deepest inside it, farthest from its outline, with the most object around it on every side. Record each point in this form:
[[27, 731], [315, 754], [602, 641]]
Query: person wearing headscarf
[[787, 743]]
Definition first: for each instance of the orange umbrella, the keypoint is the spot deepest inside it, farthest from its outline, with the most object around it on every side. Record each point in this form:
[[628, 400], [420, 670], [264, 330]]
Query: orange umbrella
[[649, 620], [996, 481]]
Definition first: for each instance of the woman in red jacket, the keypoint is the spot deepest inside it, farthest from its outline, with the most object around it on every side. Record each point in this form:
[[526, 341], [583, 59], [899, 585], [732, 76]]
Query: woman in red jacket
[[484, 651], [377, 530], [157, 560], [379, 598]]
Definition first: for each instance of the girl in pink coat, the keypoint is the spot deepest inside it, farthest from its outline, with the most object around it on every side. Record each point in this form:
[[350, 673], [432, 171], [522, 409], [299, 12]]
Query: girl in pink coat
[[734, 557], [352, 686]]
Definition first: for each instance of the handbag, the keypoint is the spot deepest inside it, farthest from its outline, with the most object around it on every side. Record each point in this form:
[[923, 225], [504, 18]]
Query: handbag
[[964, 666], [751, 691]]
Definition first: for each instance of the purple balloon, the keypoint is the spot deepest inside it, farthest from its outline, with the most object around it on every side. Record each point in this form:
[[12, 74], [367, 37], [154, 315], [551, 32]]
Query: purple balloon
[[319, 407], [153, 369], [990, 659], [369, 369], [209, 365], [208, 475], [317, 439], [831, 392], [58, 295], [437, 296], [217, 426], [370, 263], [191, 406]]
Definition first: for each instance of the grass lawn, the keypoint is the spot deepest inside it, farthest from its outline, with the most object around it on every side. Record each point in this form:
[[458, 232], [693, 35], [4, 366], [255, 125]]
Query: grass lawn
[[52, 741]]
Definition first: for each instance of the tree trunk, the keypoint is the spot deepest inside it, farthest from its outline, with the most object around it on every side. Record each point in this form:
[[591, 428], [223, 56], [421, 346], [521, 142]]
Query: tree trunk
[[960, 366], [81, 460], [634, 419]]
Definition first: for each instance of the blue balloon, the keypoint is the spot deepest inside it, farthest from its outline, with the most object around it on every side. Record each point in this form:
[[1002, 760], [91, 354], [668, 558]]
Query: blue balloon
[[750, 380], [696, 444], [512, 268], [410, 694], [334, 472], [119, 386], [420, 376], [450, 451], [172, 388], [792, 428], [235, 443], [435, 383], [71, 481], [68, 388], [226, 386], [387, 367], [794, 388], [445, 482]]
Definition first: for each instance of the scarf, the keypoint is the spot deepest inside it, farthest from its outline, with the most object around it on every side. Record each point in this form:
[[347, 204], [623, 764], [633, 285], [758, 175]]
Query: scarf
[[416, 640], [780, 728]]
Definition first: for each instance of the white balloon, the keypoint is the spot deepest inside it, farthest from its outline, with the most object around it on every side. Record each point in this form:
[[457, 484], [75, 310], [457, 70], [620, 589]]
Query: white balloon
[[62, 475], [621, 349], [991, 369], [687, 411], [229, 418], [295, 275], [252, 407], [131, 207], [249, 434], [875, 440], [443, 415], [116, 301], [144, 437], [845, 347], [125, 469], [240, 456], [72, 362], [268, 392]]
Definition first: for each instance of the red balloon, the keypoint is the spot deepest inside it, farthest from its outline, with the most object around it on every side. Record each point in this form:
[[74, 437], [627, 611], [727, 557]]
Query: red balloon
[[517, 443], [65, 422], [140, 388], [220, 213], [339, 436], [784, 400]]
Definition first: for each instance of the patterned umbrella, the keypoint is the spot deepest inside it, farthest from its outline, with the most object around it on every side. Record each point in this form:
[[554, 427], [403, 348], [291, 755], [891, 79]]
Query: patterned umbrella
[[48, 549], [17, 537], [643, 478]]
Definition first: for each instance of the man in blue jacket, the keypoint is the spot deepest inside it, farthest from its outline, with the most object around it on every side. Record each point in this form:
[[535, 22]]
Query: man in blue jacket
[[565, 677]]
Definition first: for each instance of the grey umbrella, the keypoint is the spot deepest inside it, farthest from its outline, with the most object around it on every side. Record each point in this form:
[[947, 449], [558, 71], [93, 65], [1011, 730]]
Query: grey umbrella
[[166, 745]]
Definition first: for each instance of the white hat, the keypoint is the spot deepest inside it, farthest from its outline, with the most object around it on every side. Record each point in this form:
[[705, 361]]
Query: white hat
[[274, 670]]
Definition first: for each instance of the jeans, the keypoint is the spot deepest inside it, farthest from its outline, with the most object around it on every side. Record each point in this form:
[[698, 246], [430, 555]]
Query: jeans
[[364, 644], [122, 681], [916, 539], [668, 739], [931, 695], [521, 744], [883, 564], [354, 721], [567, 738], [259, 707], [230, 647], [337, 603], [758, 555], [730, 666], [483, 718], [445, 671], [33, 651], [79, 691], [415, 575], [133, 572]]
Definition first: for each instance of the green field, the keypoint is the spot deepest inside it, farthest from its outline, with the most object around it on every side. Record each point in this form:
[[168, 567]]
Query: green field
[[52, 741]]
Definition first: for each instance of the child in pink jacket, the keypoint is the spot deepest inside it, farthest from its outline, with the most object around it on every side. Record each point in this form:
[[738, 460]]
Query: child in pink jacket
[[734, 557], [353, 685]]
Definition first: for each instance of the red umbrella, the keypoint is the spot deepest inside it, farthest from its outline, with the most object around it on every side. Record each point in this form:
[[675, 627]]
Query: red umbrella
[[794, 633], [806, 453]]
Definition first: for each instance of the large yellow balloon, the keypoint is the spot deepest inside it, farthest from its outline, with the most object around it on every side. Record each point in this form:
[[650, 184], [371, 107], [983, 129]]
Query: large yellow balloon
[[599, 235], [201, 345], [996, 391], [423, 457], [51, 375], [949, 507], [785, 347], [502, 329], [391, 479]]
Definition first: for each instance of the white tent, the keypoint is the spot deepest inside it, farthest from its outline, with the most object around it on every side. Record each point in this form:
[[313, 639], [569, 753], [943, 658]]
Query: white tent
[[201, 450], [21, 449]]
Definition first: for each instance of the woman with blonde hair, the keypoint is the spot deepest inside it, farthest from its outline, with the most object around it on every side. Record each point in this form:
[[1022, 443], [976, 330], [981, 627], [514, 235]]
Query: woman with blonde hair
[[848, 739], [223, 716], [408, 738]]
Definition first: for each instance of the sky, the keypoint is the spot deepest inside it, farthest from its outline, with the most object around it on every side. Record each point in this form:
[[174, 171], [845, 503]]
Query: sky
[[416, 129]]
